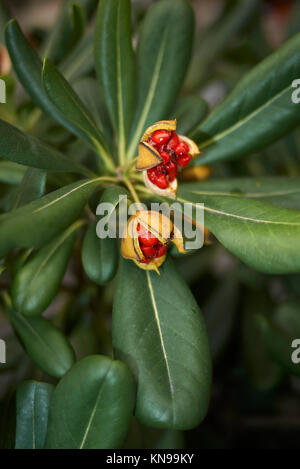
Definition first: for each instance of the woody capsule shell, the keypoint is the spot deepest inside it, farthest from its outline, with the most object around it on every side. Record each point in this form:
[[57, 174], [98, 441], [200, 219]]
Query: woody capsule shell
[[162, 152], [146, 238]]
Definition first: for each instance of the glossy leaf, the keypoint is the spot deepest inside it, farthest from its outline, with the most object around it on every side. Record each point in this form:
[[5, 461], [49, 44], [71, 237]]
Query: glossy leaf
[[261, 235], [80, 62], [282, 191], [115, 64], [66, 33], [279, 332], [257, 112], [24, 149], [38, 222], [31, 188], [33, 402], [99, 256], [189, 112], [92, 406], [163, 55], [76, 117], [159, 331], [37, 282], [44, 343]]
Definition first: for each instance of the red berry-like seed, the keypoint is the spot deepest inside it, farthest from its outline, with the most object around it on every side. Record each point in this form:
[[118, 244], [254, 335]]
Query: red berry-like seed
[[166, 156], [152, 174], [161, 168], [160, 137], [146, 238], [181, 148], [183, 160], [145, 260], [161, 181], [148, 251], [161, 250], [174, 141], [172, 170]]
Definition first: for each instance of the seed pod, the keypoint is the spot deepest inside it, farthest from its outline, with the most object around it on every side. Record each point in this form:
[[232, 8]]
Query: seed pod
[[161, 153], [196, 173], [146, 239]]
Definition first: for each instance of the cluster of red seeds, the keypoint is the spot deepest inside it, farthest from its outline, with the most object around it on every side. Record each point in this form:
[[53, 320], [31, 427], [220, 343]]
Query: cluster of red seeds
[[151, 247], [174, 153]]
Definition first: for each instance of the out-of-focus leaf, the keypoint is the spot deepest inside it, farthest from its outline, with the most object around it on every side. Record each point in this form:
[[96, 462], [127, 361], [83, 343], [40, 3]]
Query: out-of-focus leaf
[[31, 188], [279, 332], [163, 56], [189, 112], [99, 256], [115, 64], [11, 173], [171, 439], [44, 343], [158, 330], [4, 18], [92, 406], [38, 222], [24, 149], [33, 401], [257, 112], [36, 283], [80, 62], [66, 33], [210, 44]]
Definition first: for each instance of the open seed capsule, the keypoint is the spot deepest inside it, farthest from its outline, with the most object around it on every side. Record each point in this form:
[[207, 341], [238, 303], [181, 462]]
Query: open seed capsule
[[162, 152], [147, 236]]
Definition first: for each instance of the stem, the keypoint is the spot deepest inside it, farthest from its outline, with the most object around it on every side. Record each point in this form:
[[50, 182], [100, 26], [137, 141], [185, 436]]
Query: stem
[[132, 190]]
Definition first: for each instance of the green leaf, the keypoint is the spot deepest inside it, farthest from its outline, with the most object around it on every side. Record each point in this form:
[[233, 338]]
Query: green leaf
[[189, 112], [24, 149], [66, 33], [279, 331], [4, 18], [11, 173], [99, 256], [257, 112], [92, 406], [159, 331], [75, 116], [282, 191], [38, 222], [44, 344], [163, 55], [31, 188], [261, 235], [37, 282], [33, 402], [115, 64], [80, 62]]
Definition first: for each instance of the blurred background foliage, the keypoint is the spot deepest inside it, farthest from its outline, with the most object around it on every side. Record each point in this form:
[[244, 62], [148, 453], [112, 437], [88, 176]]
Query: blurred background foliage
[[250, 316]]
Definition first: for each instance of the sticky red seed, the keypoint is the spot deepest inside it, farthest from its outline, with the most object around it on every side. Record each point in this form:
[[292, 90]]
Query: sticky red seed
[[161, 250], [161, 181], [160, 137], [148, 251], [174, 141], [181, 148], [152, 174], [166, 156], [172, 170], [146, 238], [183, 160]]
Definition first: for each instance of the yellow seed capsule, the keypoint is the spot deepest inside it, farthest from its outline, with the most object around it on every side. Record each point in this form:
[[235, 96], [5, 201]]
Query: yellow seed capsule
[[146, 238], [161, 153], [196, 173]]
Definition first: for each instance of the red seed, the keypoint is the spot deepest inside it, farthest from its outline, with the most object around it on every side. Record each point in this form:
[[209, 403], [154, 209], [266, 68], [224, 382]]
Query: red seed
[[183, 160], [174, 141], [148, 251], [152, 174], [161, 250], [182, 148], [166, 156], [161, 168], [172, 170], [146, 238], [161, 181], [160, 137], [145, 260]]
